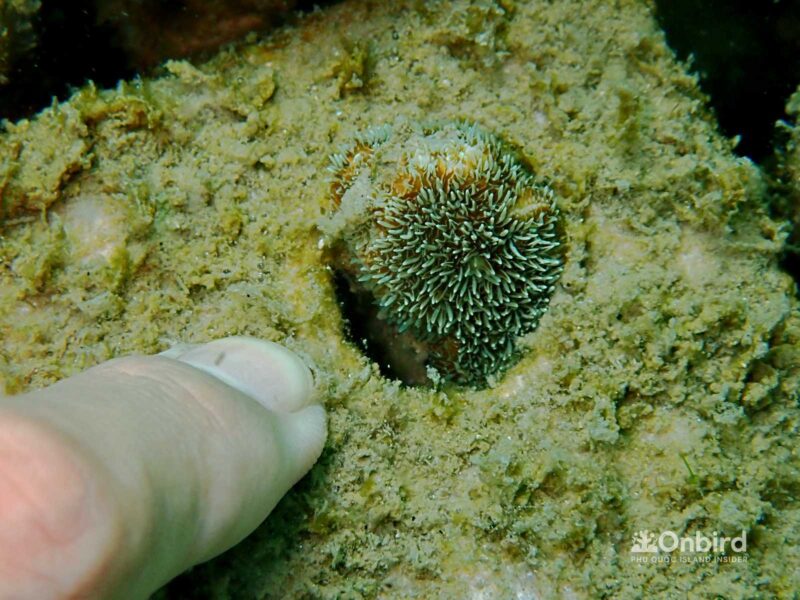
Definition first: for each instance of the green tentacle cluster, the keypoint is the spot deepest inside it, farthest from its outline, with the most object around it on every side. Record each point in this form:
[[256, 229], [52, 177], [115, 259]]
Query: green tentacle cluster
[[462, 249]]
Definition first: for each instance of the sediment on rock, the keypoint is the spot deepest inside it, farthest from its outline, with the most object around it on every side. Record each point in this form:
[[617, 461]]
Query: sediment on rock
[[658, 392]]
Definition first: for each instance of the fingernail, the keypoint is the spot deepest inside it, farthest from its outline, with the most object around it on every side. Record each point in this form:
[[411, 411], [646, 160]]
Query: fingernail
[[267, 372], [178, 350]]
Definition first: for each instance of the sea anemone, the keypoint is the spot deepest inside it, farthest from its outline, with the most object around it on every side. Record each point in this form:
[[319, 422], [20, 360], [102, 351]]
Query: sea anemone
[[452, 237]]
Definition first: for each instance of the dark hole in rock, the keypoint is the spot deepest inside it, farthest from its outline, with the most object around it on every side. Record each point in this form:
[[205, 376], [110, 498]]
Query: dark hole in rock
[[790, 261], [397, 355]]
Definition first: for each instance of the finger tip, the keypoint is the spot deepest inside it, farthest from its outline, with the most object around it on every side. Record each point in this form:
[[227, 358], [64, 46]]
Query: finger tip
[[178, 350], [304, 434], [267, 372], [297, 383]]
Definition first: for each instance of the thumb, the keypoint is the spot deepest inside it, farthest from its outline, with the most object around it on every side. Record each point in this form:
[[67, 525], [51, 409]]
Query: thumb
[[175, 458], [280, 382]]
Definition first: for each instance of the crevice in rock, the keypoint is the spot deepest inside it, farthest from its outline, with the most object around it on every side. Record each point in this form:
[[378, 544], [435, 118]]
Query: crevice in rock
[[396, 354]]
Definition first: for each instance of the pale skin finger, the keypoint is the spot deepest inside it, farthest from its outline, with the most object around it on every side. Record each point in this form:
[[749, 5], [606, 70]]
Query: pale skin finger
[[114, 481]]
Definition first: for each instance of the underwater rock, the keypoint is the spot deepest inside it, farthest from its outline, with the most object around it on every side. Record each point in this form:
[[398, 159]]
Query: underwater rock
[[658, 392], [452, 236], [152, 31], [786, 198]]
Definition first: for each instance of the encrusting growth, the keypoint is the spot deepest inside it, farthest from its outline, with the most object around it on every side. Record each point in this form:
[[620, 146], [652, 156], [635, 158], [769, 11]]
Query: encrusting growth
[[452, 236]]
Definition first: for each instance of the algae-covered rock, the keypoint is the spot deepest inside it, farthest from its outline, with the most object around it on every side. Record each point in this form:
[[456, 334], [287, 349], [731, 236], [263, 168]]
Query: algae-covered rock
[[658, 393], [788, 201]]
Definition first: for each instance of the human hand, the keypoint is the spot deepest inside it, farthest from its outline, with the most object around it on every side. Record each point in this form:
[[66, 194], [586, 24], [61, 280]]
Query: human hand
[[117, 479]]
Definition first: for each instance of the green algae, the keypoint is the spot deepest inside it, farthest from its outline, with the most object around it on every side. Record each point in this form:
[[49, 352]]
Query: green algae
[[672, 337]]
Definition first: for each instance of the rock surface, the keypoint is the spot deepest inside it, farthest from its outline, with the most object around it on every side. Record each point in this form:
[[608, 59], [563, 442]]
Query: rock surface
[[659, 391]]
